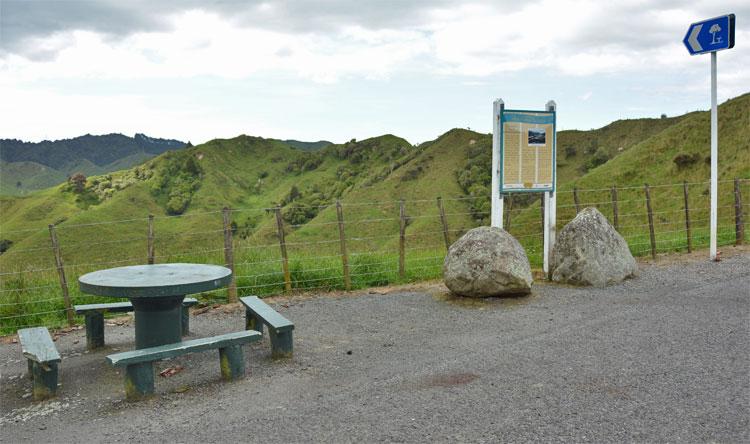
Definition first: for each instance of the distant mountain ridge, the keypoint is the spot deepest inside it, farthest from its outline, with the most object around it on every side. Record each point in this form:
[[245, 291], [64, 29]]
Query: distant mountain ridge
[[27, 166], [99, 150]]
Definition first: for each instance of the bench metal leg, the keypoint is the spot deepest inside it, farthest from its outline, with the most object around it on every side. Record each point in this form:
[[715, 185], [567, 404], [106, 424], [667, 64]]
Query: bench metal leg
[[139, 381], [232, 362], [31, 368], [45, 380], [281, 343], [185, 320], [253, 322], [94, 330]]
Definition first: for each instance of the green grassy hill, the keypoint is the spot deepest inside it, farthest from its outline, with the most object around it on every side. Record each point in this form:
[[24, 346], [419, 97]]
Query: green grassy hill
[[251, 172], [580, 151], [19, 178], [104, 222]]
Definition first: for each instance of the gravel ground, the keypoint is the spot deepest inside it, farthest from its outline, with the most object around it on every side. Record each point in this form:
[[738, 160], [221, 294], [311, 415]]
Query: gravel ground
[[661, 357]]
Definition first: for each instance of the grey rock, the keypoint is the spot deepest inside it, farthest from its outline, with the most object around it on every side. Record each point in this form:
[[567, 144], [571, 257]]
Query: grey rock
[[589, 251], [487, 261]]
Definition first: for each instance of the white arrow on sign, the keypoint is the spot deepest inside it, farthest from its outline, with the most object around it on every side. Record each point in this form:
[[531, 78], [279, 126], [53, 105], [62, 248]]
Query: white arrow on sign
[[693, 39]]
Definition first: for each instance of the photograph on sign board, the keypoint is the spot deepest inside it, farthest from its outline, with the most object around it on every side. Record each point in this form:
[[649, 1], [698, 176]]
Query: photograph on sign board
[[537, 137]]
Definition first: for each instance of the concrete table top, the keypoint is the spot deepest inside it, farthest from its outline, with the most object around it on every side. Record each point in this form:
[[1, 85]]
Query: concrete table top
[[155, 281]]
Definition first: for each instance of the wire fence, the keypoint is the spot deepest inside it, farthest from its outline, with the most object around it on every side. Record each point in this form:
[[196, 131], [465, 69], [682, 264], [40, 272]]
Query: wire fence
[[345, 246]]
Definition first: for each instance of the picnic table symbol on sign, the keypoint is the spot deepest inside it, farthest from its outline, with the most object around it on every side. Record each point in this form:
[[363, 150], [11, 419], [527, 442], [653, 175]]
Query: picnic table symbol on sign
[[714, 29]]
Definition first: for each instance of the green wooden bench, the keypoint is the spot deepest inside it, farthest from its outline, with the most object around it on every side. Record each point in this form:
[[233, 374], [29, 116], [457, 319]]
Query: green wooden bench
[[43, 360], [280, 328], [139, 369], [95, 318]]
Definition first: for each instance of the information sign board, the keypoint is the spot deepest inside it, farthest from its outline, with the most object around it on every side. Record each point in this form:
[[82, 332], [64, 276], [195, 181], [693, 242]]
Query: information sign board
[[527, 151]]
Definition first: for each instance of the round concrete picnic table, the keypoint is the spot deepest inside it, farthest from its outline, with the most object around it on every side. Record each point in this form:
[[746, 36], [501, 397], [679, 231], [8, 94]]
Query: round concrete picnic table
[[156, 292]]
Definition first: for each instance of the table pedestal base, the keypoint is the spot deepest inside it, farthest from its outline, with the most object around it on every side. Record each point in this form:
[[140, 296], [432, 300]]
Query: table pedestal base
[[157, 321]]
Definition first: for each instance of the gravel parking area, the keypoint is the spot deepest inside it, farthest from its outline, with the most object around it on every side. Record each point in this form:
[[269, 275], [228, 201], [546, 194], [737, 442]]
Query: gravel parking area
[[661, 357]]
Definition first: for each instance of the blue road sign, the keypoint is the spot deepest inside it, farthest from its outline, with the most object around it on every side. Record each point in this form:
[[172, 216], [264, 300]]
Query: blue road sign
[[710, 35]]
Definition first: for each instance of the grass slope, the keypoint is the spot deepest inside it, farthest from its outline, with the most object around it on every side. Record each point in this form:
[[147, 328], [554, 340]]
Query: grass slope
[[20, 178]]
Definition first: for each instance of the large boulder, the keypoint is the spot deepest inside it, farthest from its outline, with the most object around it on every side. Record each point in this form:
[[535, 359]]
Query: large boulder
[[589, 251], [487, 261]]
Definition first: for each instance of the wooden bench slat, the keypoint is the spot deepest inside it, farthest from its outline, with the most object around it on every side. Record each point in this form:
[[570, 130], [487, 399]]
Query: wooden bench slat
[[37, 345], [119, 307], [269, 315], [180, 348]]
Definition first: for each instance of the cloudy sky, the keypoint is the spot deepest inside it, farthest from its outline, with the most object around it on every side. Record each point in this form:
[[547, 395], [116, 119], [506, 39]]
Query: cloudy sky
[[200, 69]]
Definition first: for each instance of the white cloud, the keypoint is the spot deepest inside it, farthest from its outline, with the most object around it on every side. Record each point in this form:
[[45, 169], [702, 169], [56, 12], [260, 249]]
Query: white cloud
[[223, 50], [580, 38], [569, 46]]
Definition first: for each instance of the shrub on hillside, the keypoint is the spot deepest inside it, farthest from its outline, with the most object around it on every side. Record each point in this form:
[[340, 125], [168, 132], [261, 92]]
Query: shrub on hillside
[[570, 151], [684, 160], [413, 173], [600, 157], [176, 181], [78, 181], [308, 162], [5, 245]]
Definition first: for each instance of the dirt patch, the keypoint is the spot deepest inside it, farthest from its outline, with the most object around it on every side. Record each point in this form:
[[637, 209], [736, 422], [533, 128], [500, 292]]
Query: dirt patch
[[480, 303], [449, 380]]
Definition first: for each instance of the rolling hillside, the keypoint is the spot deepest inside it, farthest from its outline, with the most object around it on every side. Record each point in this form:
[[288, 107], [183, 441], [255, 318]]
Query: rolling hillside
[[254, 173]]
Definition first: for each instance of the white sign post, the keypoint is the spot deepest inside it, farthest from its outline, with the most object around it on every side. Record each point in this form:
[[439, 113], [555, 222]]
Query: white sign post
[[524, 160], [712, 35], [550, 210], [714, 159], [496, 212]]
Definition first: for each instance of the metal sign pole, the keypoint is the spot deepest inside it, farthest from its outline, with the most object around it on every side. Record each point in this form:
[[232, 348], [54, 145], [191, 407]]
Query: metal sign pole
[[496, 211], [550, 207], [712, 35], [714, 156]]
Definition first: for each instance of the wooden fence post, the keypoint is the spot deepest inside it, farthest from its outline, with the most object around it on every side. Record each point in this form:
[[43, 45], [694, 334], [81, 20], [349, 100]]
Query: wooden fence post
[[575, 200], [402, 240], [342, 237], [739, 223], [61, 274], [229, 255], [444, 221], [150, 239], [615, 211], [687, 218], [650, 221], [282, 244]]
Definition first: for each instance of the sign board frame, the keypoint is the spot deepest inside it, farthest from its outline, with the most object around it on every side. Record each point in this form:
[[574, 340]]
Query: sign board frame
[[549, 195], [504, 117]]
